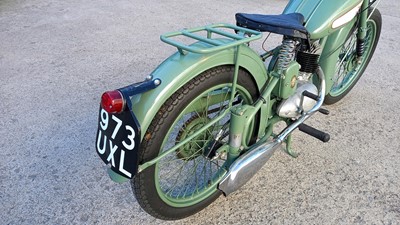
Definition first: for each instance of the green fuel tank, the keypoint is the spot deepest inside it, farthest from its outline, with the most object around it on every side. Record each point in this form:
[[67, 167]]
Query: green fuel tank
[[320, 15]]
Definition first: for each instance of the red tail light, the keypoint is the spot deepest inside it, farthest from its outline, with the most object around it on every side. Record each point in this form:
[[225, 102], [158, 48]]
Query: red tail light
[[113, 101]]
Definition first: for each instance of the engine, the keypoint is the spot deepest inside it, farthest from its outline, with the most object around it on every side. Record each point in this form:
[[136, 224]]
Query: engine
[[308, 60]]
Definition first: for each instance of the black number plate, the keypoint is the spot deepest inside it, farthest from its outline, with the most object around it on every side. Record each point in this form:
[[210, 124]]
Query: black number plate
[[117, 141]]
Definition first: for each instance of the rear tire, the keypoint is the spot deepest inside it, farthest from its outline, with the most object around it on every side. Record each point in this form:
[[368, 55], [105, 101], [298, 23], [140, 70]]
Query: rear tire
[[185, 181], [347, 73]]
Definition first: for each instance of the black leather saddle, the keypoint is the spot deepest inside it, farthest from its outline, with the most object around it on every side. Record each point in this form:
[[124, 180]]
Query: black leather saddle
[[286, 24]]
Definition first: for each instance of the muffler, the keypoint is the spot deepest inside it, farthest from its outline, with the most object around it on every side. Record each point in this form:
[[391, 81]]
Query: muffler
[[247, 165]]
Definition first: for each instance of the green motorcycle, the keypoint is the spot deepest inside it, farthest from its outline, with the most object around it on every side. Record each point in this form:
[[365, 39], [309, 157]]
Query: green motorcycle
[[202, 123]]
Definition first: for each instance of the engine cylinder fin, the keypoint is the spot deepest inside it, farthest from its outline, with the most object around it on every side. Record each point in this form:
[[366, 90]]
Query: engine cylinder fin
[[308, 62]]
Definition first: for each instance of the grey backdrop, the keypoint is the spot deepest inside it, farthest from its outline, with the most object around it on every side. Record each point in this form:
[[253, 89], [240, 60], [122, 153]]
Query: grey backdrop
[[57, 57]]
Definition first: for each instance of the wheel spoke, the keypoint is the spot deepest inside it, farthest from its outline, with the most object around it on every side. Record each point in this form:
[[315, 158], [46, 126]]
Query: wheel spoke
[[187, 176], [348, 67], [346, 50]]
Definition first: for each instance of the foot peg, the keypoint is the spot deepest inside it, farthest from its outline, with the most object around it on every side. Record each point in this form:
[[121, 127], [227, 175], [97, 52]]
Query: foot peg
[[315, 97], [323, 111], [322, 136]]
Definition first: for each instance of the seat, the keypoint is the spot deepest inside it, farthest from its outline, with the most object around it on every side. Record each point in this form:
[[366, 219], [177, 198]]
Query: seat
[[286, 24]]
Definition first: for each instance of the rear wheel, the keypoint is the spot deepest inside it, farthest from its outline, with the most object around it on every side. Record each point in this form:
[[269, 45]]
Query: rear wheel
[[185, 181], [348, 70]]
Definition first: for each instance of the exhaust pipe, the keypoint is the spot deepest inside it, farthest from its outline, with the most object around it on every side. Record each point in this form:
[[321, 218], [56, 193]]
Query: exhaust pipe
[[247, 165]]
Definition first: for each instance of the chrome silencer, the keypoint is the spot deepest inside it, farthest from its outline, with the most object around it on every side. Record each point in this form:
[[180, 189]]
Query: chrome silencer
[[248, 164]]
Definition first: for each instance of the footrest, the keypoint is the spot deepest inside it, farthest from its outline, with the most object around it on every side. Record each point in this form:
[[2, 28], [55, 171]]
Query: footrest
[[322, 136]]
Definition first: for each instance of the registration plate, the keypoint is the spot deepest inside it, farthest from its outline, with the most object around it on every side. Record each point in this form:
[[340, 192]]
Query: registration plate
[[117, 141]]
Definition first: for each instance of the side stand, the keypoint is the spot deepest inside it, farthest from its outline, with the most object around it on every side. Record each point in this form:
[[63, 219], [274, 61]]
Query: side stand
[[288, 148]]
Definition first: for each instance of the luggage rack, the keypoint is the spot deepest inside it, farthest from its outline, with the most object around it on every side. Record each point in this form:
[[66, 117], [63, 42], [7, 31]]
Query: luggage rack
[[243, 35]]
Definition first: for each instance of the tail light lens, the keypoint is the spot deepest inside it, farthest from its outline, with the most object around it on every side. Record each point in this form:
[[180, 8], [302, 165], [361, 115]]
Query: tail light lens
[[113, 101]]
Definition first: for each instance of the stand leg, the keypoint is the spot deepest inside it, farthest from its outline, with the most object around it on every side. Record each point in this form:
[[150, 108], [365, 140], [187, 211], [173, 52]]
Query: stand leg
[[289, 149]]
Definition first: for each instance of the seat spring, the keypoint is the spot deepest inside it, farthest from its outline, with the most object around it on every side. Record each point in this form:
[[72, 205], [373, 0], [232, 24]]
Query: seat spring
[[286, 54]]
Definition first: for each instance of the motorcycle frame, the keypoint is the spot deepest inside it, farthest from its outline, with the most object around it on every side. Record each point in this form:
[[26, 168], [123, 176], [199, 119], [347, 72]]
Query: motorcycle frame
[[182, 67]]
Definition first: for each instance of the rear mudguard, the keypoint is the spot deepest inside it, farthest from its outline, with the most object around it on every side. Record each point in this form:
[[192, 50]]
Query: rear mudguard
[[179, 69]]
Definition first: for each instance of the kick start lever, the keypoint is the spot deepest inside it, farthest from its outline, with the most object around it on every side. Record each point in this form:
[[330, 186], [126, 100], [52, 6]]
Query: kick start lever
[[315, 97]]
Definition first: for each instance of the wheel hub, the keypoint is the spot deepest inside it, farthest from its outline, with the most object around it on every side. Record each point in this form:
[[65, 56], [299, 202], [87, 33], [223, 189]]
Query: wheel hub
[[351, 63], [194, 147]]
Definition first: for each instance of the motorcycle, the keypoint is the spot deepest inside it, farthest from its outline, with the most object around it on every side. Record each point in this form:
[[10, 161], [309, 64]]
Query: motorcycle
[[202, 123]]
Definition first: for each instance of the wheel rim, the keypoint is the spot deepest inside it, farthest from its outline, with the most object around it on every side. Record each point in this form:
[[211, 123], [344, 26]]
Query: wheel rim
[[347, 69], [188, 176]]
